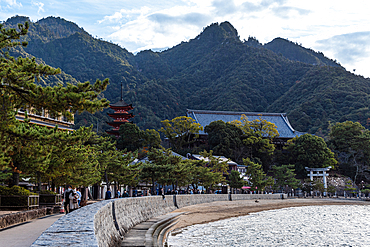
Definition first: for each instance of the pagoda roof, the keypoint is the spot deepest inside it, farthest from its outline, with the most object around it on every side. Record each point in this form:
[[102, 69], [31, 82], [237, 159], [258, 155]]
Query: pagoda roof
[[121, 103], [204, 118], [118, 114], [117, 123]]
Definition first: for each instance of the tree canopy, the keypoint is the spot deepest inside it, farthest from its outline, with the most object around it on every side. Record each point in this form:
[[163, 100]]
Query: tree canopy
[[29, 148], [181, 131], [309, 151], [351, 143]]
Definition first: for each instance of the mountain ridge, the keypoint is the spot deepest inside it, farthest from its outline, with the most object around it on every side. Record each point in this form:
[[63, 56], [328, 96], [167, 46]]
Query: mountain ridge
[[213, 71]]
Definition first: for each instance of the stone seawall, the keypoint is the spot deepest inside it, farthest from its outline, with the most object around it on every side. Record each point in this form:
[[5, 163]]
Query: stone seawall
[[19, 217], [188, 200], [104, 223], [235, 197]]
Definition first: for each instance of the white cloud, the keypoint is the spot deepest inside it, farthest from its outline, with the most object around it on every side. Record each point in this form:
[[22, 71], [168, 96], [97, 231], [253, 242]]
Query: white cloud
[[40, 6], [125, 14], [10, 4]]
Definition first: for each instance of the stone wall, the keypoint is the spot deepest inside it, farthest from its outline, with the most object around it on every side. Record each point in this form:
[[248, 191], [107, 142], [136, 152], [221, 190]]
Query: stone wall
[[236, 197], [105, 229], [188, 200], [104, 223], [19, 217], [76, 228], [134, 210]]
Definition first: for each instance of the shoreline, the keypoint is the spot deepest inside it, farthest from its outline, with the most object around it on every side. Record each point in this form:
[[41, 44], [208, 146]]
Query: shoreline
[[214, 211]]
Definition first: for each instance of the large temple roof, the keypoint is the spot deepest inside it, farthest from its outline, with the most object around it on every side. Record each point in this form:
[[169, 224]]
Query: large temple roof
[[281, 121]]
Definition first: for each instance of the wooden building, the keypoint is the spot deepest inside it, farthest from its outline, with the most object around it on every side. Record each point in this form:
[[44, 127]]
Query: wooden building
[[120, 116], [43, 118], [285, 129]]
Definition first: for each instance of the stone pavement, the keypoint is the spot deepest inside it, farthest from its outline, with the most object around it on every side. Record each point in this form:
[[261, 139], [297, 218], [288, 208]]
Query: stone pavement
[[24, 234]]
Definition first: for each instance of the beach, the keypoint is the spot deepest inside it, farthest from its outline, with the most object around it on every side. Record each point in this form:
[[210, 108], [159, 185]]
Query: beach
[[209, 212]]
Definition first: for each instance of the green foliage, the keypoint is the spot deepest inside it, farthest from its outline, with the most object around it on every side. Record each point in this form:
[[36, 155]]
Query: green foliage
[[39, 151], [318, 185], [284, 177], [225, 139], [351, 143], [235, 181], [215, 71], [152, 139], [296, 52], [15, 191], [349, 188], [181, 132], [132, 138], [162, 167], [258, 179], [257, 139], [309, 151], [47, 192]]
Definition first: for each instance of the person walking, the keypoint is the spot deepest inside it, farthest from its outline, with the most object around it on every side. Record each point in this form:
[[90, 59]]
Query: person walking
[[108, 194], [73, 201], [79, 196], [162, 193], [66, 197], [125, 194]]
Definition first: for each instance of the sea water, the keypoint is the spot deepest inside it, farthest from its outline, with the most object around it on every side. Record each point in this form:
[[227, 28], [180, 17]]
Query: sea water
[[339, 225]]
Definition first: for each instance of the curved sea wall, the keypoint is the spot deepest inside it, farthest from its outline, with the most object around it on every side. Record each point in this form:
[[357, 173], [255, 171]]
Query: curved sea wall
[[104, 223]]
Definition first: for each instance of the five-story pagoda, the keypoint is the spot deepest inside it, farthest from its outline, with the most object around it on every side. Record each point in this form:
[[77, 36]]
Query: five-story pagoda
[[120, 115]]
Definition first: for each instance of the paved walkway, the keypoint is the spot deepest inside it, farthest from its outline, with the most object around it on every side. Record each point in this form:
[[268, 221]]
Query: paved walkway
[[24, 234]]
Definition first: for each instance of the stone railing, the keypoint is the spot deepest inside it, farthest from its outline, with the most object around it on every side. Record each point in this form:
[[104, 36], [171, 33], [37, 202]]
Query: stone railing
[[104, 223]]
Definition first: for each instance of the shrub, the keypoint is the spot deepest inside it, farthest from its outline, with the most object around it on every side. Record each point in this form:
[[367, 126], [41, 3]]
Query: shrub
[[15, 191], [47, 192]]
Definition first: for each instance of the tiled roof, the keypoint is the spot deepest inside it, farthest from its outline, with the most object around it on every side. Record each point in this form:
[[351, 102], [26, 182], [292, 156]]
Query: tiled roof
[[281, 121], [120, 103], [221, 159]]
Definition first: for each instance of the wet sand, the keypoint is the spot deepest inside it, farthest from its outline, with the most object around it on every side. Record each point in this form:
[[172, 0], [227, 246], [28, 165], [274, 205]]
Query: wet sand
[[209, 212]]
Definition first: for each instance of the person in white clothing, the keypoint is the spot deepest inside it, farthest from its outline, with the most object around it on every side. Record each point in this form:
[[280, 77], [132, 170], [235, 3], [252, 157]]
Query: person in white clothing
[[73, 201]]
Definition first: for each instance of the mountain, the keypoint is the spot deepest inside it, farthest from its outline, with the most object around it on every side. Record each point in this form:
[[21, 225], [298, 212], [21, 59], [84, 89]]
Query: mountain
[[214, 71], [295, 52]]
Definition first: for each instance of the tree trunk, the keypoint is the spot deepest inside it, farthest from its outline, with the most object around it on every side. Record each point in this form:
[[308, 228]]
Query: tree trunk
[[15, 180], [106, 179], [153, 187], [53, 186], [38, 181]]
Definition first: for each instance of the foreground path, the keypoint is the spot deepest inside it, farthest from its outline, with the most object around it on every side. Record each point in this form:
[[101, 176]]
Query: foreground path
[[208, 212], [24, 234]]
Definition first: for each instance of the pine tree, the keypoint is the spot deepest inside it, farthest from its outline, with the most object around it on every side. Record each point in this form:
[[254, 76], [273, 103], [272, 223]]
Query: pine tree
[[22, 143]]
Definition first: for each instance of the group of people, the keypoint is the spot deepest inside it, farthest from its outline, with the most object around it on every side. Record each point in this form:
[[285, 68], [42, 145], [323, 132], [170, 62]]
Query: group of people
[[108, 194], [72, 199]]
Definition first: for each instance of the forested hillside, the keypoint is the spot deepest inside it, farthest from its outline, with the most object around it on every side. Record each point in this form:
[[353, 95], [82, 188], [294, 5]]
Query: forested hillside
[[214, 71]]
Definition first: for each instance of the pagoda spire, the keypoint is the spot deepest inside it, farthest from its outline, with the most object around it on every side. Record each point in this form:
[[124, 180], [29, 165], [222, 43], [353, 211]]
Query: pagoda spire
[[121, 91]]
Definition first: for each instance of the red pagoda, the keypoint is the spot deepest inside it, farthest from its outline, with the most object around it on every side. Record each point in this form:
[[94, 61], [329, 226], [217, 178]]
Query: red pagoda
[[120, 116]]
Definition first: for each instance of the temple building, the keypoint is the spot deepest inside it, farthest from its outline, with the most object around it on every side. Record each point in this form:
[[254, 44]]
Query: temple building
[[43, 118], [286, 131], [120, 116]]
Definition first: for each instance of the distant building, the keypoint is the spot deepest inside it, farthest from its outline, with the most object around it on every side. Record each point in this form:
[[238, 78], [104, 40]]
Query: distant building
[[43, 118], [120, 116], [232, 166], [286, 131]]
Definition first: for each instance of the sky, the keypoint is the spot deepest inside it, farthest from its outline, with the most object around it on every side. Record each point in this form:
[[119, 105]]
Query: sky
[[340, 29]]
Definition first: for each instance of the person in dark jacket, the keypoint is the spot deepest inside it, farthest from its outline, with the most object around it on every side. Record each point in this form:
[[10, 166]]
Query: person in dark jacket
[[67, 192], [108, 194]]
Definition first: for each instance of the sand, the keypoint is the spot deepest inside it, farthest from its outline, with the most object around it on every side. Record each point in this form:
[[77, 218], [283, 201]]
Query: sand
[[209, 212]]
